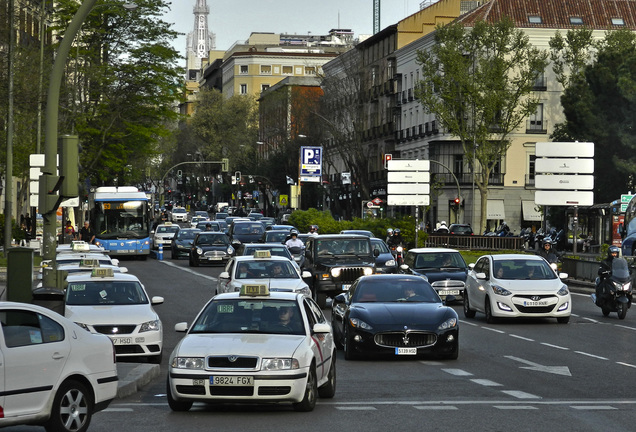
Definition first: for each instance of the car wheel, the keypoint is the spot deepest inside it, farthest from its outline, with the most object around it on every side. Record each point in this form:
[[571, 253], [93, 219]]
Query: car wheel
[[176, 405], [490, 319], [72, 408], [348, 349], [309, 401], [328, 389], [468, 312], [563, 320], [174, 255]]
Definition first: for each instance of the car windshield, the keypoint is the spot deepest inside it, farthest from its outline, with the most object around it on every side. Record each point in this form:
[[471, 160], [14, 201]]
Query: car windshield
[[187, 234], [99, 292], [520, 269], [167, 229], [435, 260], [179, 210], [276, 236], [249, 228], [72, 259], [279, 269], [250, 316], [380, 245], [341, 247], [273, 250], [217, 239], [377, 290]]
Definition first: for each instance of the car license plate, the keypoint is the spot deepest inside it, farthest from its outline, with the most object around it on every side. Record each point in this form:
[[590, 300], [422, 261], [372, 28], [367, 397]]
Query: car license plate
[[232, 380], [346, 287], [535, 303], [214, 258], [122, 341], [405, 351], [449, 292]]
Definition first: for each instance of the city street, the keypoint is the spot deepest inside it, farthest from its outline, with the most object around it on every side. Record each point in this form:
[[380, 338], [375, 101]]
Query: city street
[[523, 375]]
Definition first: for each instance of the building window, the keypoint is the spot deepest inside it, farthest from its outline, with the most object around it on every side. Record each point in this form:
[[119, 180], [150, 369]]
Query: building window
[[534, 19], [266, 69], [310, 70], [536, 120], [243, 70], [576, 20], [458, 164], [539, 81], [531, 163], [243, 89], [618, 22], [264, 87], [288, 70]]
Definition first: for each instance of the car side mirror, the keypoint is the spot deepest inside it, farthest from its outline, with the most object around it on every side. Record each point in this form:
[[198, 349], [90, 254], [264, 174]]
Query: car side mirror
[[181, 327], [404, 267], [306, 275], [224, 275], [156, 300], [376, 253], [321, 328], [481, 276], [340, 299]]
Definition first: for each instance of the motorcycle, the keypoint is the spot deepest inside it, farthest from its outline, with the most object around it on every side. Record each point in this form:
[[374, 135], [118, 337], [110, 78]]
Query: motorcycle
[[398, 253], [614, 292], [298, 253]]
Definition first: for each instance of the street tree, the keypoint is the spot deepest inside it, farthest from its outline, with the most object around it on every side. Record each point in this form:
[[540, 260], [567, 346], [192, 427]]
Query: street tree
[[599, 105], [121, 86], [478, 82]]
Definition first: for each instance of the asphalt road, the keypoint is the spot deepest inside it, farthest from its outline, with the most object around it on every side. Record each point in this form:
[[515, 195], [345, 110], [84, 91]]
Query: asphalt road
[[522, 375]]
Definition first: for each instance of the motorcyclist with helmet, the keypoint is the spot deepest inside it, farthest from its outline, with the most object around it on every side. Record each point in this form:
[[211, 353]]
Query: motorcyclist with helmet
[[294, 241], [389, 234], [604, 271], [313, 230], [395, 239], [548, 252]]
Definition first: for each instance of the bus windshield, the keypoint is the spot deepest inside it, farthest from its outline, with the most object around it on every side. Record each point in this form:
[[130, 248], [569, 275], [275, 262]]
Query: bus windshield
[[121, 219]]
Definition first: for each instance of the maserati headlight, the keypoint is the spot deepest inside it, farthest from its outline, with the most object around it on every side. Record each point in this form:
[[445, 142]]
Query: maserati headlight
[[188, 362], [448, 324], [150, 326], [358, 323], [273, 364]]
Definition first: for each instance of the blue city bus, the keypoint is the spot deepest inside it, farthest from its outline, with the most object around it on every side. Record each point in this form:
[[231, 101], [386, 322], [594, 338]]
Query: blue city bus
[[121, 220]]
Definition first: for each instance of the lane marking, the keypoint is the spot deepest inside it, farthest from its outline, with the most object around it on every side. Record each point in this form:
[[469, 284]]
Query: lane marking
[[457, 372], [591, 355], [625, 327], [470, 323], [626, 364], [118, 410], [494, 330], [359, 408], [515, 407], [593, 407], [486, 382], [555, 346], [440, 408], [431, 363], [522, 338], [520, 394], [590, 319], [187, 270]]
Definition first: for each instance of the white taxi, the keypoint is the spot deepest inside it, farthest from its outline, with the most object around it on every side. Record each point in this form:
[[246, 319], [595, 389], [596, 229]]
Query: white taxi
[[277, 272], [117, 305], [254, 346], [53, 373], [162, 235], [179, 214]]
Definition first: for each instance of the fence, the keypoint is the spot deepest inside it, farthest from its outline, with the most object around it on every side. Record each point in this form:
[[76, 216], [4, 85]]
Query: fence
[[473, 242]]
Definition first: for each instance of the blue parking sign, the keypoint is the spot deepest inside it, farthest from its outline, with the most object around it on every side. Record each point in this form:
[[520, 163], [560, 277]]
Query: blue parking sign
[[311, 161]]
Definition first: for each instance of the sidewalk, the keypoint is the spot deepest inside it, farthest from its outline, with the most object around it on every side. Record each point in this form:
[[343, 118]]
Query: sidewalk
[[133, 376]]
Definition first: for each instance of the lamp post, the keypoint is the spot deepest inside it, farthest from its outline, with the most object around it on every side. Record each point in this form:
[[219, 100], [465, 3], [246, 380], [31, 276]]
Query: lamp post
[[8, 186], [51, 127]]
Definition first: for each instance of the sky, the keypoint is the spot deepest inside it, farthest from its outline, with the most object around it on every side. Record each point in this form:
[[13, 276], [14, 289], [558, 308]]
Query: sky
[[234, 20]]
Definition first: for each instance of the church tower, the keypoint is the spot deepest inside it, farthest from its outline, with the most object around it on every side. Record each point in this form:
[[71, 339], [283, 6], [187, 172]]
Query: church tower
[[199, 42]]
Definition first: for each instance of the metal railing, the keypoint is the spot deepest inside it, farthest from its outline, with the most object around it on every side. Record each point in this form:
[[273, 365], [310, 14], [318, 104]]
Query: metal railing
[[474, 242]]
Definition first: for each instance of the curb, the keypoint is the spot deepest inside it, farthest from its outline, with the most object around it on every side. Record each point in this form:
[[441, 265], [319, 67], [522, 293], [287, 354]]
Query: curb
[[137, 378]]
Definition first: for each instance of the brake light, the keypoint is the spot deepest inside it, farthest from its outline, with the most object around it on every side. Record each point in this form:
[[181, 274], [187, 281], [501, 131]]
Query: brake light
[[1, 412]]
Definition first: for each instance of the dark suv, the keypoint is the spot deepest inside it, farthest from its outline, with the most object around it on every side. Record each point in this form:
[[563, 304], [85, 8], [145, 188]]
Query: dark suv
[[335, 262], [444, 268]]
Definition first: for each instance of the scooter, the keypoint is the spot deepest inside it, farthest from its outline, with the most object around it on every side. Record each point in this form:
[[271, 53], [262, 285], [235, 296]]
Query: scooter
[[398, 253], [298, 253], [614, 292]]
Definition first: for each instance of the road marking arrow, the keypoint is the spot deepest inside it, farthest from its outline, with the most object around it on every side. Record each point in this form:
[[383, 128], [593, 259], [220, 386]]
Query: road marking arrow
[[557, 370]]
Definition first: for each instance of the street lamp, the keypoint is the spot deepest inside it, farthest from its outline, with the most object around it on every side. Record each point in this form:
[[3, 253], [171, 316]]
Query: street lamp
[[51, 128]]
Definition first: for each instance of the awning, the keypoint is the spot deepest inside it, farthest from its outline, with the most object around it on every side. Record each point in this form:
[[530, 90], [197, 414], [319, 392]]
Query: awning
[[495, 209], [530, 212]]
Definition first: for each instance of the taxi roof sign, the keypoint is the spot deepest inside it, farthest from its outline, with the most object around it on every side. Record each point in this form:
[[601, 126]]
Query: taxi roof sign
[[102, 272], [254, 290], [262, 254], [89, 262], [79, 245]]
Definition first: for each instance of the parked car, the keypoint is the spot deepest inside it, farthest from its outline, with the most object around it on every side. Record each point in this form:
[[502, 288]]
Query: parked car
[[460, 229], [55, 374], [516, 285], [210, 247], [445, 269], [335, 261], [394, 315]]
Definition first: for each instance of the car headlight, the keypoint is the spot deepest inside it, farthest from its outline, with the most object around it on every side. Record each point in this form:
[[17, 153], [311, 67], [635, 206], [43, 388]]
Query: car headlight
[[188, 362], [390, 263], [273, 364], [500, 291], [305, 291], [358, 323], [230, 250], [199, 251], [563, 291], [150, 326], [448, 324], [335, 272], [82, 325], [368, 271]]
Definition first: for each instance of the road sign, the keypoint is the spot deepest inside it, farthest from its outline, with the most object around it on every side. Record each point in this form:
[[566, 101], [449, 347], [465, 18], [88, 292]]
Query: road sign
[[408, 188], [408, 165], [408, 200], [564, 198], [311, 162], [625, 198], [566, 182], [564, 166], [377, 201], [564, 149], [408, 177], [283, 200]]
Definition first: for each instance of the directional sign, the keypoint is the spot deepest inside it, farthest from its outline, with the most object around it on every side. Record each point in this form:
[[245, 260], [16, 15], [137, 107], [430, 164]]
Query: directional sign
[[564, 166], [408, 200], [408, 177], [408, 188], [408, 165], [625, 199], [567, 182], [564, 149], [311, 161], [557, 370], [564, 198]]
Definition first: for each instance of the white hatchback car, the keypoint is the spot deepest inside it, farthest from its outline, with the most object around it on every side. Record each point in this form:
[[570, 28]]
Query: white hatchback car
[[163, 234], [179, 214], [53, 373], [516, 285], [254, 347], [117, 305]]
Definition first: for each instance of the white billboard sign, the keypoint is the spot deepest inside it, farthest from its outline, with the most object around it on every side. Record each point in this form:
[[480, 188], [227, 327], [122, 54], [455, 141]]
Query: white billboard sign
[[408, 177], [564, 198], [311, 179], [408, 200], [408, 165], [408, 188], [564, 166], [569, 182], [564, 149]]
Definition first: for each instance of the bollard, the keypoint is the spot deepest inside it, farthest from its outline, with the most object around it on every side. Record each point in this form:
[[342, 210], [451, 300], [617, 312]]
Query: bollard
[[160, 252]]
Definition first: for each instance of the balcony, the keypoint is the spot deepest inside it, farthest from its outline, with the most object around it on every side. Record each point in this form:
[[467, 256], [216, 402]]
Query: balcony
[[536, 127], [410, 94]]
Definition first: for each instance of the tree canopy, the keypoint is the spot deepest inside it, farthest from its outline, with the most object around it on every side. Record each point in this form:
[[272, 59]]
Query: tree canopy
[[478, 82]]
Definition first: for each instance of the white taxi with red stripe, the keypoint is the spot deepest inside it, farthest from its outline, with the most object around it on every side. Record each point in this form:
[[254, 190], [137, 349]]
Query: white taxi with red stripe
[[254, 346]]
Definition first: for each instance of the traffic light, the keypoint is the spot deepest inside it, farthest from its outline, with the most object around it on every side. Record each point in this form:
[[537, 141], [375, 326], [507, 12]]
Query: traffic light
[[457, 201], [237, 177], [387, 158], [225, 165], [69, 166]]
